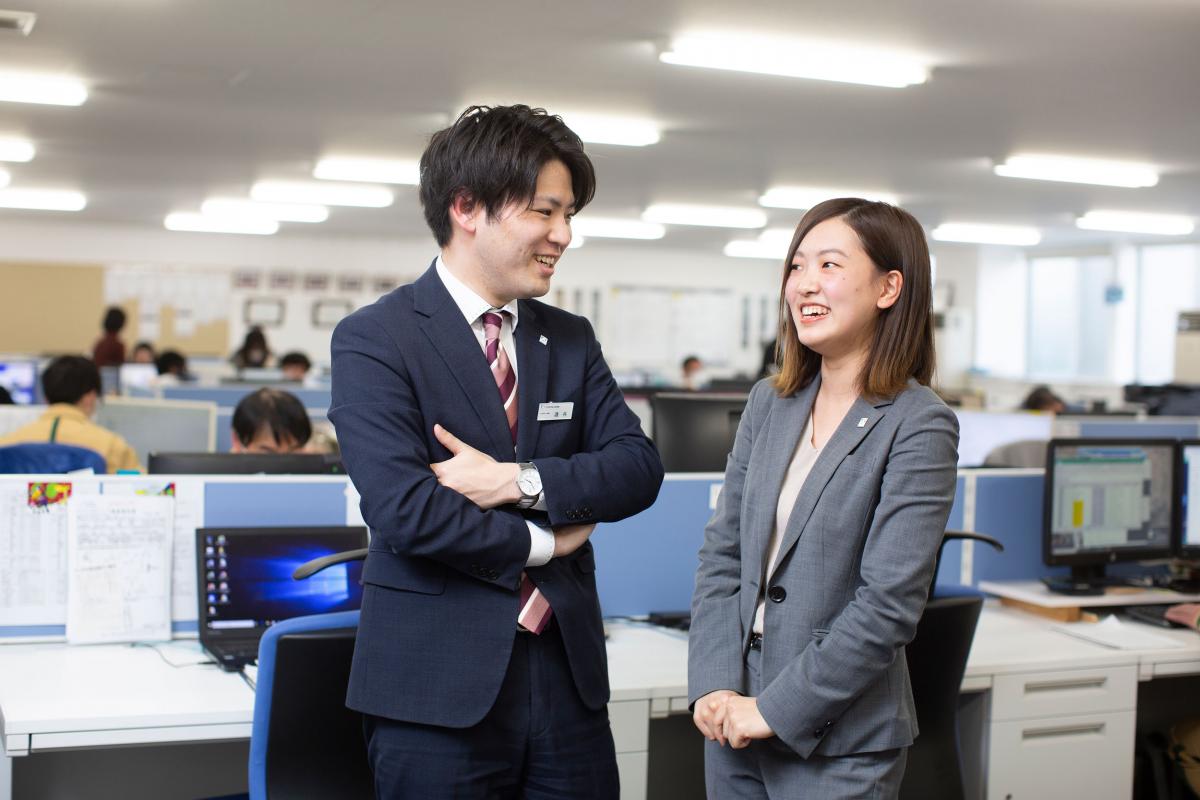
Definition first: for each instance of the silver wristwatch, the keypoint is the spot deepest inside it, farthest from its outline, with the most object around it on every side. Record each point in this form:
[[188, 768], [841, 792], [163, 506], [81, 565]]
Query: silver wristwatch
[[529, 483]]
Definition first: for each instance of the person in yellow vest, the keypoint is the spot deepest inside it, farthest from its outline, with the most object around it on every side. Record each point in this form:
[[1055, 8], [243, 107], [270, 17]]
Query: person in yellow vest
[[72, 387]]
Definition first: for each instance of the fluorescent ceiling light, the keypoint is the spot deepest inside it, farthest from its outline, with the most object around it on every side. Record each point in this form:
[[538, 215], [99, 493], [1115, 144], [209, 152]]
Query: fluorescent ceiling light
[[17, 87], [16, 150], [706, 216], [325, 194], [42, 199], [576, 242], [369, 170], [805, 197], [200, 223], [772, 244], [4, 178], [628, 131], [973, 233], [1078, 170], [235, 208], [611, 228], [1134, 222], [823, 61]]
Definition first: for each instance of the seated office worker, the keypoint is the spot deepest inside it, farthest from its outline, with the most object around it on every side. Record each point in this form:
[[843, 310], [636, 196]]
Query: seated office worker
[[816, 563], [270, 421], [71, 385], [487, 437]]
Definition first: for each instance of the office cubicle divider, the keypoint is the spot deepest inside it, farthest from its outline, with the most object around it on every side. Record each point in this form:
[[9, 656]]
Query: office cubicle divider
[[163, 425], [228, 396], [1090, 427], [18, 416]]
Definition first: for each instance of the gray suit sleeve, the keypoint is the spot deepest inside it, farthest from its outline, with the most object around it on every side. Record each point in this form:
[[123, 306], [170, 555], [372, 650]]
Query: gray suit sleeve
[[715, 639], [897, 566]]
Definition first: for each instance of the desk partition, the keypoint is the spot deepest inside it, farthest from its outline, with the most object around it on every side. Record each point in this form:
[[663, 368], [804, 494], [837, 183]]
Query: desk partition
[[182, 426]]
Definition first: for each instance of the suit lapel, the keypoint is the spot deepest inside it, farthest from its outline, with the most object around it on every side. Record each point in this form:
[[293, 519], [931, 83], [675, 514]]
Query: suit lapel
[[533, 376], [455, 342], [788, 418], [857, 423]]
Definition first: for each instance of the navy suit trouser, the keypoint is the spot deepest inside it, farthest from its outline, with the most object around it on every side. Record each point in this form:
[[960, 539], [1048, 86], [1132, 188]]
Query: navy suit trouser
[[538, 740]]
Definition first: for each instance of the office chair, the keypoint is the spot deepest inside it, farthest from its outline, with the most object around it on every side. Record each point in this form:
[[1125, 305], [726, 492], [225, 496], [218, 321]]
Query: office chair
[[49, 458], [304, 742], [937, 659]]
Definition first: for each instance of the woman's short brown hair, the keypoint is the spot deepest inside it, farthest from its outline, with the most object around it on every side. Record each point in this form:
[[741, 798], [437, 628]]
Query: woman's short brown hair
[[902, 345]]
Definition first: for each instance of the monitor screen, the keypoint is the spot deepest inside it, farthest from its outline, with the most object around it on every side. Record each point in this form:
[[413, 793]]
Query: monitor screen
[[245, 574], [1108, 500], [20, 379], [244, 464], [695, 432], [1189, 499]]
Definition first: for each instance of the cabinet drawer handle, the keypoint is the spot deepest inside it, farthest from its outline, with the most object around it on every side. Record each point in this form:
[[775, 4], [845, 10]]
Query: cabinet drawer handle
[[1063, 730], [1070, 683]]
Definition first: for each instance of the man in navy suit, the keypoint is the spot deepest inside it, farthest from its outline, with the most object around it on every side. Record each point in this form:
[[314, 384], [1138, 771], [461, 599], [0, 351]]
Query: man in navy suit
[[487, 437]]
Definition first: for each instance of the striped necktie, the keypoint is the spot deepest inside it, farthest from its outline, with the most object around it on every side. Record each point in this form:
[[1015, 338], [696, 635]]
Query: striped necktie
[[535, 611]]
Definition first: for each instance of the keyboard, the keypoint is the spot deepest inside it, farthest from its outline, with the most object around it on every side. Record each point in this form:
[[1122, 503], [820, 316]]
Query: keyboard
[[1151, 615]]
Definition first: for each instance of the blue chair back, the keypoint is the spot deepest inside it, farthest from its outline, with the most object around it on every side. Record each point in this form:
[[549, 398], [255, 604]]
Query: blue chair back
[[46, 457], [303, 684]]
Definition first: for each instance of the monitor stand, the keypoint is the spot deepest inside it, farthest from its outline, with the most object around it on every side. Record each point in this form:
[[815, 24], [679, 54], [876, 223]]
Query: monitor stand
[[1088, 580]]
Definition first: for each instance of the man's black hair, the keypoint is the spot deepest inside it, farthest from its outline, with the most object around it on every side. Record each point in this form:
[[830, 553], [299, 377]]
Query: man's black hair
[[297, 358], [279, 411], [171, 362], [493, 155], [114, 320], [68, 378]]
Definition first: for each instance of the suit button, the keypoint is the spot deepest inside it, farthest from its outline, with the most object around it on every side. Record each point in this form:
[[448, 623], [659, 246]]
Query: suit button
[[777, 594], [587, 511], [818, 733], [493, 574]]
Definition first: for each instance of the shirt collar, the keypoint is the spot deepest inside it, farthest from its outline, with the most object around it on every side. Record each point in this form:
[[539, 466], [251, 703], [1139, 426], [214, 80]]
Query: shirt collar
[[470, 304], [69, 410]]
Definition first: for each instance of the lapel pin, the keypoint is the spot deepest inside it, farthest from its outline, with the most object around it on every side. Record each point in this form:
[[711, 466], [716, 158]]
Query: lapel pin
[[543, 340], [862, 423]]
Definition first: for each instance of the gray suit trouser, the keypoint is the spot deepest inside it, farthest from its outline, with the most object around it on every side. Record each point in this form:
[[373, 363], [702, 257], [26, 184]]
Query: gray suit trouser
[[770, 769]]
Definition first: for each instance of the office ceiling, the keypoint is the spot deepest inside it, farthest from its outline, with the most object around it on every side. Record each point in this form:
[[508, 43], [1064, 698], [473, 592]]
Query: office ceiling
[[194, 98]]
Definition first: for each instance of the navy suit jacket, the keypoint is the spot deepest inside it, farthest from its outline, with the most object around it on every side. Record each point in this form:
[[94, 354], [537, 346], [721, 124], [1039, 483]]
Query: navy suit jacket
[[442, 576]]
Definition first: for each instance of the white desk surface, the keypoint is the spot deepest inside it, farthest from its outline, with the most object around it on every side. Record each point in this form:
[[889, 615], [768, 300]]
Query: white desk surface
[[1035, 592], [59, 696]]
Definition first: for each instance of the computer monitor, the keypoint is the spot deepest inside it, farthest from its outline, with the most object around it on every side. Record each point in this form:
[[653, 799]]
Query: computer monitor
[[136, 376], [1188, 542], [244, 576], [1106, 500], [695, 432], [20, 379], [244, 464]]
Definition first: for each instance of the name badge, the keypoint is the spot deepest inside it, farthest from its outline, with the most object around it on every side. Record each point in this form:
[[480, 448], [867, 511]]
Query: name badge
[[553, 411]]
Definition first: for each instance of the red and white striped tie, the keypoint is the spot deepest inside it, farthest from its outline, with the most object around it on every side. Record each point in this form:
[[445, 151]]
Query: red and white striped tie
[[535, 611]]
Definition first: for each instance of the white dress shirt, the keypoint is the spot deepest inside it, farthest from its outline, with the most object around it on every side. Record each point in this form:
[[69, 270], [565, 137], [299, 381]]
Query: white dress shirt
[[473, 307]]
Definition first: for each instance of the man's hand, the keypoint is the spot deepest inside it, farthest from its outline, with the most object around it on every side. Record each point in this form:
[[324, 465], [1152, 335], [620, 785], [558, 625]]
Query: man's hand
[[709, 714], [570, 538], [483, 480], [1184, 614], [743, 722]]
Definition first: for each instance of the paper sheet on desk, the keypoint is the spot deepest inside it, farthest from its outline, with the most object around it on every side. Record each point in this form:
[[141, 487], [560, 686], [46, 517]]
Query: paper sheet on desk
[[33, 549], [189, 515], [1118, 635], [119, 569]]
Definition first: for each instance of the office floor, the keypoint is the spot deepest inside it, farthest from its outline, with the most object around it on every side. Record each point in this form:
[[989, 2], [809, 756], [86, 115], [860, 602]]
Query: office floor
[[207, 770]]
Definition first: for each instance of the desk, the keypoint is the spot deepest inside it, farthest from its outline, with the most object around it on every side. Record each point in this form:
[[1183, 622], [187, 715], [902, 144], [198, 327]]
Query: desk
[[1047, 699]]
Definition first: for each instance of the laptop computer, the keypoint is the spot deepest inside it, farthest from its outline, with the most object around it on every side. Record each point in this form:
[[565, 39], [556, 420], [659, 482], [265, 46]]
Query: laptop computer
[[245, 583]]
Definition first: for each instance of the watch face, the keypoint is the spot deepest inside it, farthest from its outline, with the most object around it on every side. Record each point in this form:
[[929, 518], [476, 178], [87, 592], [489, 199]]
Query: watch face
[[528, 481]]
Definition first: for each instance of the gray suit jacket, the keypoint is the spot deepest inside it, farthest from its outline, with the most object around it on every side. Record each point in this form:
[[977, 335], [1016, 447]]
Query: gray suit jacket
[[854, 567]]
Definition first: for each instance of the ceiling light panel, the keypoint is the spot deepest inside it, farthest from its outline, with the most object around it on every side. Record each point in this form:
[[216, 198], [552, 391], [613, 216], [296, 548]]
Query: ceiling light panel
[[322, 194], [20, 87], [201, 223], [368, 170], [613, 228], [4, 178], [1068, 169], [1136, 222], [771, 244], [805, 197], [600, 129], [281, 212], [43, 199], [18, 150], [815, 60], [705, 216], [977, 233]]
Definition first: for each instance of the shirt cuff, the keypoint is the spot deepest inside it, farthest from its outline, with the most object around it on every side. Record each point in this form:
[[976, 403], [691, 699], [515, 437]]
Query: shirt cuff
[[541, 545]]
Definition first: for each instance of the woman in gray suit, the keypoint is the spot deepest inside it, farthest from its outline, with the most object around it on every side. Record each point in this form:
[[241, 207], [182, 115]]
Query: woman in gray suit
[[816, 564]]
